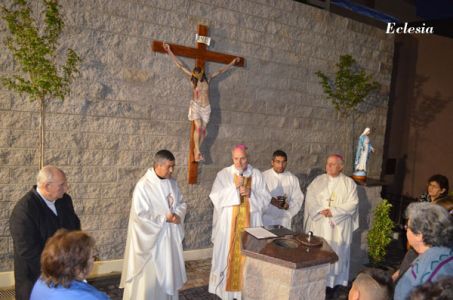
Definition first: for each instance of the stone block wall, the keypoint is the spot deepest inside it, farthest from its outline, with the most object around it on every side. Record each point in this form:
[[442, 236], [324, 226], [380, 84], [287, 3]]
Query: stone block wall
[[129, 102]]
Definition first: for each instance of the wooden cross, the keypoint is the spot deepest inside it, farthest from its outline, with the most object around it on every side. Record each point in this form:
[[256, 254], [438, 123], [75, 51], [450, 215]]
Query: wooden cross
[[200, 54]]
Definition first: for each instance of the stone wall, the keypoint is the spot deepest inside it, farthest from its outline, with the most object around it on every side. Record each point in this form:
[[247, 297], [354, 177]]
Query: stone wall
[[129, 102]]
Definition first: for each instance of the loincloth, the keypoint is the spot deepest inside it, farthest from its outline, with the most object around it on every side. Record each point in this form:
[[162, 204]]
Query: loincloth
[[198, 112]]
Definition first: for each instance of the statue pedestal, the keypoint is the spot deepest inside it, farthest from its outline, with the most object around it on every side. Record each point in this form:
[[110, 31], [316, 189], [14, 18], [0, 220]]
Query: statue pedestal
[[369, 193], [273, 271]]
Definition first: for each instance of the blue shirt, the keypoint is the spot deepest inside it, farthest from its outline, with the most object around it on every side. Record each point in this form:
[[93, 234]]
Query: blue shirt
[[430, 266], [77, 290]]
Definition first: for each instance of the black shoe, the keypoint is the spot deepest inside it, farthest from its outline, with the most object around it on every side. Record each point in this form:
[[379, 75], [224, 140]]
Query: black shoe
[[340, 292], [329, 292]]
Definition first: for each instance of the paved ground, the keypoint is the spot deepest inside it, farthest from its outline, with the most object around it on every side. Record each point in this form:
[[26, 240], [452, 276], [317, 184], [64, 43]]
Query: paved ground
[[196, 287]]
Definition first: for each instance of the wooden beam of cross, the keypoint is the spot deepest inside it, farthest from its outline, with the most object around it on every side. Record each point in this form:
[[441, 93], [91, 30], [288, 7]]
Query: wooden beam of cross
[[201, 55]]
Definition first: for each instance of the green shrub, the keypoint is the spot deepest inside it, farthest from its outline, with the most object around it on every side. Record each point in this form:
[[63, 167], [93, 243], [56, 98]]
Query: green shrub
[[380, 234]]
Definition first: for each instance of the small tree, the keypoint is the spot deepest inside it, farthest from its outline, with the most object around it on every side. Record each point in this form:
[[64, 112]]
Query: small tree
[[35, 49], [380, 234], [350, 87]]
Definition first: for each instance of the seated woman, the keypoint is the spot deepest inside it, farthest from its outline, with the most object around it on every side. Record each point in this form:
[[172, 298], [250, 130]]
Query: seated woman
[[66, 261], [411, 254], [430, 233], [436, 190]]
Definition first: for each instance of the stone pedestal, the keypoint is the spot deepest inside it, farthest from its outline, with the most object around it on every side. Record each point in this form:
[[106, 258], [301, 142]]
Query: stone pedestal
[[369, 194], [268, 281], [274, 272]]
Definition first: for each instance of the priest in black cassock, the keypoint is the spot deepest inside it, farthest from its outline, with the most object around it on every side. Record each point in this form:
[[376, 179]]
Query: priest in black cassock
[[36, 217]]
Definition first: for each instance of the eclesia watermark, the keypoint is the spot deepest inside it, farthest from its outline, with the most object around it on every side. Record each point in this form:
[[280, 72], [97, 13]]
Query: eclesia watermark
[[393, 28]]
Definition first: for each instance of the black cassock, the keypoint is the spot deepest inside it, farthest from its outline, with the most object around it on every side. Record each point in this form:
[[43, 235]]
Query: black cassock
[[31, 223]]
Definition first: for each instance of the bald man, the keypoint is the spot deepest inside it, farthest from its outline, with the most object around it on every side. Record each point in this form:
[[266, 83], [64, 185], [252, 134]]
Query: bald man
[[371, 284], [36, 217]]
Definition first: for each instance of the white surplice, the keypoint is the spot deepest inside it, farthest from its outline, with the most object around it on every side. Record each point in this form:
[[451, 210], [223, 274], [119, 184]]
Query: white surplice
[[280, 184], [224, 195], [339, 194], [153, 266]]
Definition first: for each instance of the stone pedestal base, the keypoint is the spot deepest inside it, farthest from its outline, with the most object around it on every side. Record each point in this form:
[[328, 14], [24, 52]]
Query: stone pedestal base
[[359, 178], [267, 281], [369, 198]]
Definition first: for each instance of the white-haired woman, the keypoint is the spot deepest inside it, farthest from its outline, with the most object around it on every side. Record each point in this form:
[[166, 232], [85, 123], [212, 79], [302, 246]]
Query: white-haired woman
[[430, 233]]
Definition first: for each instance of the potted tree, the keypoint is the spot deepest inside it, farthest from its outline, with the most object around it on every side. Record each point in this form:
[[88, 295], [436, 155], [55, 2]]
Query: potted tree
[[380, 233], [34, 47]]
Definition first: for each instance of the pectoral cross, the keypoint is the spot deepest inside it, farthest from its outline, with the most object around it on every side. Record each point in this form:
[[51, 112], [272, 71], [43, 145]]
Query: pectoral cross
[[201, 55], [332, 198]]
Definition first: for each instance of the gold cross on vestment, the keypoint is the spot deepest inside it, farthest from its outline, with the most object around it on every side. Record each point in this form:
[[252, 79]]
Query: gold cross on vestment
[[332, 198]]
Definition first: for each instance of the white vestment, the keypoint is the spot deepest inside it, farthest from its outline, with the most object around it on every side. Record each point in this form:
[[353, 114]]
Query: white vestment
[[339, 194], [153, 266], [224, 195], [280, 184]]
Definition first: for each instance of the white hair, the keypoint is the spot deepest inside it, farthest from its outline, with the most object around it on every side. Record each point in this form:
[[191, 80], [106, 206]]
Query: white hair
[[46, 174]]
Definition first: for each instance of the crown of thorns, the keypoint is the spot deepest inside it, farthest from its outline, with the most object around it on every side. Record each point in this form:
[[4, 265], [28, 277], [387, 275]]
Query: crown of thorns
[[198, 75]]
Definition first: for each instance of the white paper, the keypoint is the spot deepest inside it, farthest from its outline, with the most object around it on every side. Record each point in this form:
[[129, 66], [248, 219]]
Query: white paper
[[260, 233]]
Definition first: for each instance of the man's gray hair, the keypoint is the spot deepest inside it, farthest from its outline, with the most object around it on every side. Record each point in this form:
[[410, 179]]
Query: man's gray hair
[[46, 174], [433, 222], [162, 155], [338, 157]]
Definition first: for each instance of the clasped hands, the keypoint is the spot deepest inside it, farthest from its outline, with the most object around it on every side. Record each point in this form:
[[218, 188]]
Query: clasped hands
[[173, 218], [326, 213]]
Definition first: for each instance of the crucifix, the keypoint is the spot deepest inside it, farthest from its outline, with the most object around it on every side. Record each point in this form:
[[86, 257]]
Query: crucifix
[[201, 55]]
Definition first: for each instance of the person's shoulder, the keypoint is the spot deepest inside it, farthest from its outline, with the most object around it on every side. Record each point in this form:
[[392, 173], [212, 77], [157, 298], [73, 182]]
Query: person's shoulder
[[348, 179], [267, 172], [85, 291], [257, 173], [290, 175], [224, 170], [40, 290], [319, 177], [256, 170], [174, 183], [28, 201], [91, 293], [145, 179]]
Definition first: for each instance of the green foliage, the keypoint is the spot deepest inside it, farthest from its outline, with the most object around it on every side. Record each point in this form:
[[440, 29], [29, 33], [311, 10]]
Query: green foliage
[[380, 233], [350, 87], [35, 51]]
